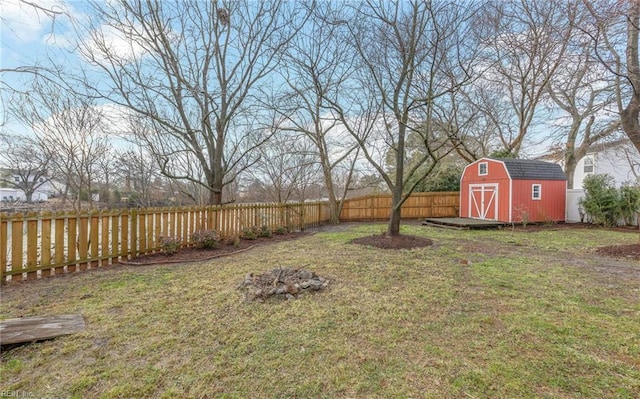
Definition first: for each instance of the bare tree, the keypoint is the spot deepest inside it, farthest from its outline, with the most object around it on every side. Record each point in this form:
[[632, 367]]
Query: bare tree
[[581, 91], [49, 13], [27, 163], [71, 132], [287, 166], [315, 67], [410, 56], [193, 69], [615, 30], [135, 173], [523, 45]]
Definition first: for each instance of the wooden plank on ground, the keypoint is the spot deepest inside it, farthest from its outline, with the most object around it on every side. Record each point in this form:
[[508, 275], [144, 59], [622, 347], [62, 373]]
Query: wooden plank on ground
[[28, 329]]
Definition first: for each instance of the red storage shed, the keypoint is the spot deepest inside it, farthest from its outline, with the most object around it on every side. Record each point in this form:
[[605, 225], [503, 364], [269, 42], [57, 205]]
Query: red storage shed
[[513, 190]]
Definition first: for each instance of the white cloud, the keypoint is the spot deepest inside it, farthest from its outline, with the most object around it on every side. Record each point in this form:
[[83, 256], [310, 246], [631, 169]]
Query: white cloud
[[109, 42], [26, 23]]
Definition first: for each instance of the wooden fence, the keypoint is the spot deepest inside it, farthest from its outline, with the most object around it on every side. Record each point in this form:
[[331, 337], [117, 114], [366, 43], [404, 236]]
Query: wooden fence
[[35, 245], [418, 205], [40, 245]]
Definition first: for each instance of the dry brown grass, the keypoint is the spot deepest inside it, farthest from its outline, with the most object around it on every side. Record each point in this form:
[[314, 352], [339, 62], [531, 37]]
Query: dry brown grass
[[478, 314]]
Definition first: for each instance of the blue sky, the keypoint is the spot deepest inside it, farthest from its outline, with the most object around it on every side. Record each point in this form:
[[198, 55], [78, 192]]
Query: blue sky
[[33, 37], [28, 36]]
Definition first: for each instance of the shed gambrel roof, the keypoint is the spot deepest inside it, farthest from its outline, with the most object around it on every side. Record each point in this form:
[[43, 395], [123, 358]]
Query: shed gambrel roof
[[528, 169]]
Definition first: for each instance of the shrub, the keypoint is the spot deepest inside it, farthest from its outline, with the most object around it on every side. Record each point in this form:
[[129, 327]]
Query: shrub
[[250, 233], [605, 204], [601, 199], [280, 230], [170, 245], [522, 215], [629, 197], [205, 239], [265, 231]]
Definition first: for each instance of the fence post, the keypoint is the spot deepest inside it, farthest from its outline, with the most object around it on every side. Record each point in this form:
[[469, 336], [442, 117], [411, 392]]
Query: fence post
[[45, 249], [83, 240], [124, 235], [4, 240], [116, 237], [59, 251], [32, 245], [134, 233], [94, 237]]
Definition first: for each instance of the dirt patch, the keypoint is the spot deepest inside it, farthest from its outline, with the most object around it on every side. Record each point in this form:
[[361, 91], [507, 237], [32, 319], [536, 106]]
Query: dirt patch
[[185, 255], [401, 241], [281, 282], [630, 251], [530, 228]]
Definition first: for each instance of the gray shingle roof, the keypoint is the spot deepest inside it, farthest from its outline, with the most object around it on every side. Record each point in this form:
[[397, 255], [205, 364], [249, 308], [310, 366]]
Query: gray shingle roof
[[528, 169]]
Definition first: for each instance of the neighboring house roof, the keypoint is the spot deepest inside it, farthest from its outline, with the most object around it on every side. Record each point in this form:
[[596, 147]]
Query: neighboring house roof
[[529, 169]]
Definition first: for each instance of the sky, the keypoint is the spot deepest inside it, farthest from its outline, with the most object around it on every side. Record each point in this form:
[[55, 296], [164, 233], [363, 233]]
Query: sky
[[28, 35]]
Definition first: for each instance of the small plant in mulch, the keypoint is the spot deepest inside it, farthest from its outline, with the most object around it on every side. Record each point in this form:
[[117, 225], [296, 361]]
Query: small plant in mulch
[[281, 283], [251, 233], [232, 240], [205, 239], [280, 230], [265, 231], [170, 245]]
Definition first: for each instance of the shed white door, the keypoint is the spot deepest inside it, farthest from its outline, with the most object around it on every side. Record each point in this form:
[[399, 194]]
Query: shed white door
[[483, 201]]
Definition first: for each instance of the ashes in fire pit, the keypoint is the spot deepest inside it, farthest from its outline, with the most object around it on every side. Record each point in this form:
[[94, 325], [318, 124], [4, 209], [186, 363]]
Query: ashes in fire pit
[[281, 282]]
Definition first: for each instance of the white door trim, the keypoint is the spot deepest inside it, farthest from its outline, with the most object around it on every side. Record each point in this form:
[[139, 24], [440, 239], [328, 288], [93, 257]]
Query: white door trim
[[488, 198]]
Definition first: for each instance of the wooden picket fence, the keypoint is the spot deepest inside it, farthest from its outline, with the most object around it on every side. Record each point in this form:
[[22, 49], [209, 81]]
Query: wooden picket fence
[[418, 205], [38, 245], [35, 245]]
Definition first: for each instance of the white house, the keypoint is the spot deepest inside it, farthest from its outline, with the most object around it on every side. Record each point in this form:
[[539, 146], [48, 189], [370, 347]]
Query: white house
[[12, 194], [619, 159]]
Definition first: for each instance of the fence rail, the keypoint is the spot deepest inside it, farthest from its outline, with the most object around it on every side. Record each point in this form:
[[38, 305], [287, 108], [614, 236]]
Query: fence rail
[[35, 245], [418, 205]]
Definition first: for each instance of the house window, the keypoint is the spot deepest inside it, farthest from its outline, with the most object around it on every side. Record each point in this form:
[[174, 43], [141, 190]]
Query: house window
[[16, 179], [588, 165], [483, 169], [536, 191]]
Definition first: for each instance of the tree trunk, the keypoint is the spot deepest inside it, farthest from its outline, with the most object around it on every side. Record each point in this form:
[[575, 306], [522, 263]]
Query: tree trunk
[[396, 202], [334, 211], [569, 171], [215, 197], [629, 120], [394, 220], [629, 115]]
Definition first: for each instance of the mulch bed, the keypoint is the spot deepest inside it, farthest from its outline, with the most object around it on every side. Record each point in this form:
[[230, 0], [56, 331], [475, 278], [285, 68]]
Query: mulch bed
[[570, 226], [630, 251], [186, 255], [401, 241]]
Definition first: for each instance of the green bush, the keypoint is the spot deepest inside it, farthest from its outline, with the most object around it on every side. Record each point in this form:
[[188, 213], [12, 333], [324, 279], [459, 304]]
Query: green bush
[[629, 197], [280, 230], [170, 245], [250, 233], [601, 199], [605, 204], [265, 231], [205, 239]]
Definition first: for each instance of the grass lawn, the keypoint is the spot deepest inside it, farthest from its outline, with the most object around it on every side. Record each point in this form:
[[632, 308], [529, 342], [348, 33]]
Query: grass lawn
[[480, 314]]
